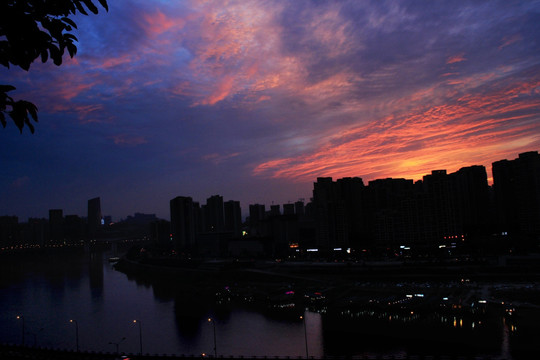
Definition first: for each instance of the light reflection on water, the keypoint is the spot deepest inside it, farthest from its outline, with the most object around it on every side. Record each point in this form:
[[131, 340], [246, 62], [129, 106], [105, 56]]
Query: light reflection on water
[[51, 290]]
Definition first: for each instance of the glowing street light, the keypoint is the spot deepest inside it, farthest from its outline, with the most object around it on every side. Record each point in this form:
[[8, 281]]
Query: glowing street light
[[305, 335], [140, 334], [76, 333], [20, 317], [210, 320]]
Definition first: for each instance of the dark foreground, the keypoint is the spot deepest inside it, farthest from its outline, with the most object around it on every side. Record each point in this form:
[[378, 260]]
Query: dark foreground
[[19, 352]]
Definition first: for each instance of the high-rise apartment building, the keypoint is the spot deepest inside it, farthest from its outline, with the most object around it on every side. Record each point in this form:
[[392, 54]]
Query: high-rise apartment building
[[56, 225], [233, 217], [94, 215], [183, 224], [213, 213], [516, 185]]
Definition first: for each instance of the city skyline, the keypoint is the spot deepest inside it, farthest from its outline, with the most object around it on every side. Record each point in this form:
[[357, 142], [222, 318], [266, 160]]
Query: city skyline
[[254, 100], [245, 207]]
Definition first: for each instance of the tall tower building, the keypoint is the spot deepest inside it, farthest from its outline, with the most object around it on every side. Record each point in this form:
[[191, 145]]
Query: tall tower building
[[94, 215], [183, 224]]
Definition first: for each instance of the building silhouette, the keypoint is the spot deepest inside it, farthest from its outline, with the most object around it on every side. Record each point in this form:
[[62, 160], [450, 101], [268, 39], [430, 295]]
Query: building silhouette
[[444, 216], [516, 185], [213, 214], [183, 224], [56, 226], [233, 217], [94, 216]]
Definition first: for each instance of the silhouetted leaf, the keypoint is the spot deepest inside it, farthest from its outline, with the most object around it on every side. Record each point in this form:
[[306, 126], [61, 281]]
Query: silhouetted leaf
[[29, 124], [44, 56], [80, 7], [31, 29], [104, 4], [70, 22], [91, 6], [6, 88], [32, 110], [72, 49], [56, 55]]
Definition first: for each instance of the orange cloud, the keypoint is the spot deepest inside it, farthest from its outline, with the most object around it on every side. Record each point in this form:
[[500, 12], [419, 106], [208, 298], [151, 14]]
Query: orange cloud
[[474, 129], [456, 58], [221, 91]]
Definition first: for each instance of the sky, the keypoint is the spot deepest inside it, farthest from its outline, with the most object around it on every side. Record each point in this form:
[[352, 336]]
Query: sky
[[253, 100]]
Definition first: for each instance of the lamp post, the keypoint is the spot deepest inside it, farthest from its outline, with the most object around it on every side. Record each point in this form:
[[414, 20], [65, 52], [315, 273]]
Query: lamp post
[[35, 337], [20, 317], [305, 335], [117, 344], [210, 320], [76, 333], [140, 334]]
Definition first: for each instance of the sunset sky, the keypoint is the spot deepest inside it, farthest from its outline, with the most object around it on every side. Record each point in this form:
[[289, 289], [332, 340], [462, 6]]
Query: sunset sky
[[254, 100]]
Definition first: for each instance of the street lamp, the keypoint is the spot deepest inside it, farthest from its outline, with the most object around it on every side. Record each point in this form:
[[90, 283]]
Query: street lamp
[[76, 333], [35, 337], [117, 344], [20, 317], [305, 335], [140, 334], [210, 320]]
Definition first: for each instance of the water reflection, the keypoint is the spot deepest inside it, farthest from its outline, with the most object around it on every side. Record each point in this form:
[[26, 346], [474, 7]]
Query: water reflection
[[50, 290]]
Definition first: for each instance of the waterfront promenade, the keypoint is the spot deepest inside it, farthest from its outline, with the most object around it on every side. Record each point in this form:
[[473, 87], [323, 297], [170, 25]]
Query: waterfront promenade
[[16, 352]]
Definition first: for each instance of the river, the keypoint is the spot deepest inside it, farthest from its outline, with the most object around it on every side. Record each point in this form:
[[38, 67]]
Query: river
[[41, 293]]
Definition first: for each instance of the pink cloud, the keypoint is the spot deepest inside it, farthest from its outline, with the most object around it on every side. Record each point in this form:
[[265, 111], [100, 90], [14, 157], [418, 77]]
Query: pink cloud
[[112, 62], [220, 92], [480, 128], [158, 23], [456, 58], [509, 40]]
